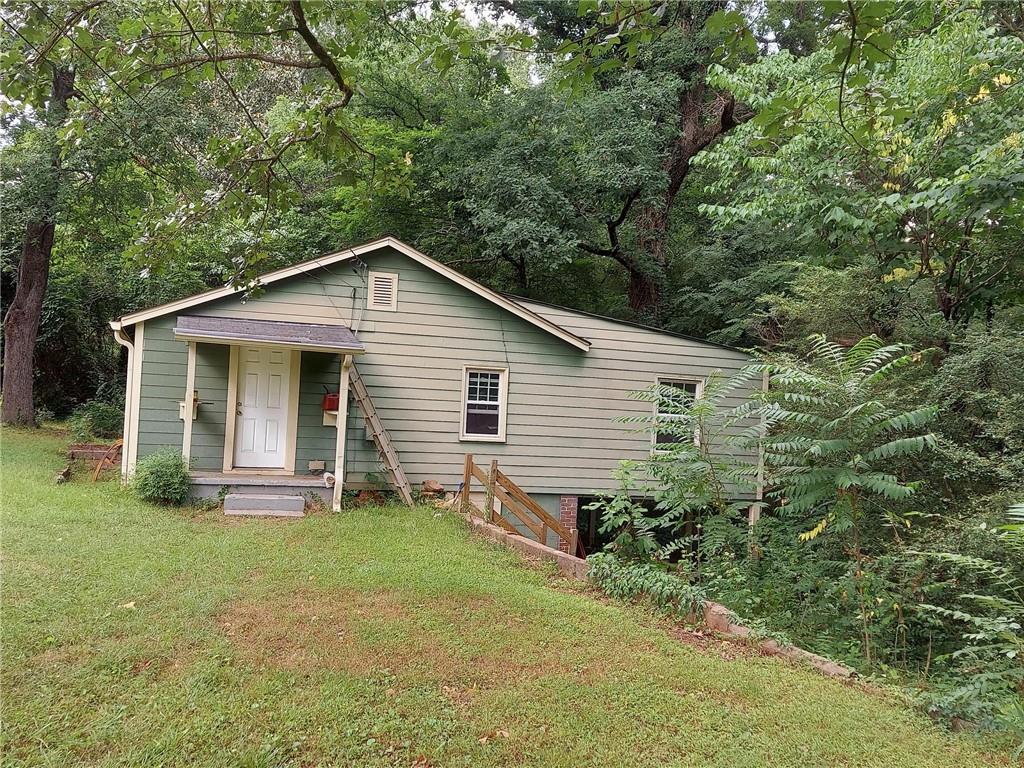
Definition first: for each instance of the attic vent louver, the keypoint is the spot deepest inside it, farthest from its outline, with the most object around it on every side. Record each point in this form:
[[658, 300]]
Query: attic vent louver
[[383, 291]]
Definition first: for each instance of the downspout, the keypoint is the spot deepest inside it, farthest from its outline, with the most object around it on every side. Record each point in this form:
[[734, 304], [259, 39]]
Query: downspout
[[125, 341]]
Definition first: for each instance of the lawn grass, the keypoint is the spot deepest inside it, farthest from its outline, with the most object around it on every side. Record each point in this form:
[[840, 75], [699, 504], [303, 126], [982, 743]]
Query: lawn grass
[[142, 636]]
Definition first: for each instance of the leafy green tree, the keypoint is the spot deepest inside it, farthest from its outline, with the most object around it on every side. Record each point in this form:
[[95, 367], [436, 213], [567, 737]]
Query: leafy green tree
[[542, 181], [666, 46], [706, 467], [65, 68], [22, 318], [979, 390], [906, 163]]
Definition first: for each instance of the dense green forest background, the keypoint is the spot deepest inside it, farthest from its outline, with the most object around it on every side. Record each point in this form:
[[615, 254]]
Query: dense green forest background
[[752, 173]]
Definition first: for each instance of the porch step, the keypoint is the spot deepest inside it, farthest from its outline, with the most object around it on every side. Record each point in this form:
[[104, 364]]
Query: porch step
[[263, 504]]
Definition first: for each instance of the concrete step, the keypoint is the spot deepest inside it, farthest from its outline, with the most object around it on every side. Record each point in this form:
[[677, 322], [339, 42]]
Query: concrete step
[[264, 504]]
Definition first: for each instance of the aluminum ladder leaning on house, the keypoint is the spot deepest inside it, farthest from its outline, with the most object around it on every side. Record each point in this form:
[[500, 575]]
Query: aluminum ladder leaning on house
[[386, 451]]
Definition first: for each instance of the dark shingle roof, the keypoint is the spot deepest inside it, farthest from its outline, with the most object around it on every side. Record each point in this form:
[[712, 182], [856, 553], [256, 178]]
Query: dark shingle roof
[[328, 337]]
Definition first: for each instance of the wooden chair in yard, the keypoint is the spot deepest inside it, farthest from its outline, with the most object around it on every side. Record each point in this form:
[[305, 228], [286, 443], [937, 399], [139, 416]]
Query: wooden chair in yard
[[110, 459]]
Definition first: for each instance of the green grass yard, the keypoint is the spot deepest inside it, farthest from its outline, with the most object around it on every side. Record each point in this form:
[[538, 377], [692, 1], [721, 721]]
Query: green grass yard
[[141, 636]]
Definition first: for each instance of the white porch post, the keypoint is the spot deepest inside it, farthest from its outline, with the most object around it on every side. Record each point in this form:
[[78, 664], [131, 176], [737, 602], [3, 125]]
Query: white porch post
[[190, 396], [339, 451]]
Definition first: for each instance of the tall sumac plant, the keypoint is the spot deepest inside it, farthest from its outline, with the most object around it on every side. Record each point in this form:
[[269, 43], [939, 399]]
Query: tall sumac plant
[[833, 446]]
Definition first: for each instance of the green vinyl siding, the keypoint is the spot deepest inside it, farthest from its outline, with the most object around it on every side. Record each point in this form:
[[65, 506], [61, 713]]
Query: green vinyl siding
[[164, 361], [313, 440], [212, 362]]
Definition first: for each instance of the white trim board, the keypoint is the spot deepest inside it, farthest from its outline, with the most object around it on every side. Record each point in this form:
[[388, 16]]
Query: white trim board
[[226, 341], [228, 464], [126, 429], [352, 253], [132, 444]]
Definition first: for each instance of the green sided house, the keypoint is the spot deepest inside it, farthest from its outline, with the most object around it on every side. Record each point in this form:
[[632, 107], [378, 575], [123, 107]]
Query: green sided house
[[377, 356]]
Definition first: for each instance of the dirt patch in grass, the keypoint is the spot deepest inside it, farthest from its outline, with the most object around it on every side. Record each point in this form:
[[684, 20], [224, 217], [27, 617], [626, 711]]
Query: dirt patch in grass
[[63, 656], [464, 645], [308, 630]]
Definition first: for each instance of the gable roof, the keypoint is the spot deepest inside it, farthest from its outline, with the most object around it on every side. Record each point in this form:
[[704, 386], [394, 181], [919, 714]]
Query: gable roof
[[523, 301], [504, 302]]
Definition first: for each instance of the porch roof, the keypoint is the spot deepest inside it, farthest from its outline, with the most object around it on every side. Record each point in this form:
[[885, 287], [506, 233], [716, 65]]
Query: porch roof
[[311, 336]]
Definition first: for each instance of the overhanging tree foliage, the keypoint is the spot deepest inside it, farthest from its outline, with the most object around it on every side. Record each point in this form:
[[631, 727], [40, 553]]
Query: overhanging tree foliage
[[70, 66], [909, 159]]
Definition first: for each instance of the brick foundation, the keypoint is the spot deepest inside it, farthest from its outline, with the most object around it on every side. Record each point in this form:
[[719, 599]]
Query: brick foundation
[[567, 509]]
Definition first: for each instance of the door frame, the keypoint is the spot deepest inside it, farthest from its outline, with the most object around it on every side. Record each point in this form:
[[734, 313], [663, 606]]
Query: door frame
[[291, 430]]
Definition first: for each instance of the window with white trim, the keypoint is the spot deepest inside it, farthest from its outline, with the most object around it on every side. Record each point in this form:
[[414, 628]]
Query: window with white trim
[[484, 396], [676, 394], [382, 291]]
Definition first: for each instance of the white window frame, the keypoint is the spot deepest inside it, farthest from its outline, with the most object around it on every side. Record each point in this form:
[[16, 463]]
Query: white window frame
[[697, 395], [393, 276], [502, 403]]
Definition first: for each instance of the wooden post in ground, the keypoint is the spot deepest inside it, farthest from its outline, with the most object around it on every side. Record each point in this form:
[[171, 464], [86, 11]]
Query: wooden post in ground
[[574, 541], [492, 478], [467, 474]]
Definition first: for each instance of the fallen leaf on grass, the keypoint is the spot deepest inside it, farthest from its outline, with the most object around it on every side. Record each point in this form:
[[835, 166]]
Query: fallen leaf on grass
[[129, 606], [488, 736]]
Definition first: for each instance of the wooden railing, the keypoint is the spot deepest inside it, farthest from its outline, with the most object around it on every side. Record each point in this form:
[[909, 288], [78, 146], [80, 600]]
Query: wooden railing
[[498, 486]]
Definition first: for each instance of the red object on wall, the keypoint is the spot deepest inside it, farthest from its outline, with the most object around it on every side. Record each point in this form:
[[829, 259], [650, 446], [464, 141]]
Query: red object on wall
[[331, 401]]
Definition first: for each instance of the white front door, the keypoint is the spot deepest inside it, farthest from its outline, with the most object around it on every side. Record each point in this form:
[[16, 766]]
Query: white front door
[[261, 420]]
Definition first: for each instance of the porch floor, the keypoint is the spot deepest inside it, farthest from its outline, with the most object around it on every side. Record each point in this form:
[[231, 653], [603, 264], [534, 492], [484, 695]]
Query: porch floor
[[276, 481], [210, 485]]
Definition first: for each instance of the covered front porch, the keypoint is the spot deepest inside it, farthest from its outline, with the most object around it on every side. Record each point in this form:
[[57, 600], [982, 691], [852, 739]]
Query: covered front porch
[[265, 406]]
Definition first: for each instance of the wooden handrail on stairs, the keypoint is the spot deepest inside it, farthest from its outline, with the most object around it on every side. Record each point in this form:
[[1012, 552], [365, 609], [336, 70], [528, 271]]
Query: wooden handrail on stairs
[[498, 486]]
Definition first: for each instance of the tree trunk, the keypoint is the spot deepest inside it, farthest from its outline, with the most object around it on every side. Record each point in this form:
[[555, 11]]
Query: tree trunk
[[652, 236], [644, 293], [695, 133], [701, 118], [21, 325]]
